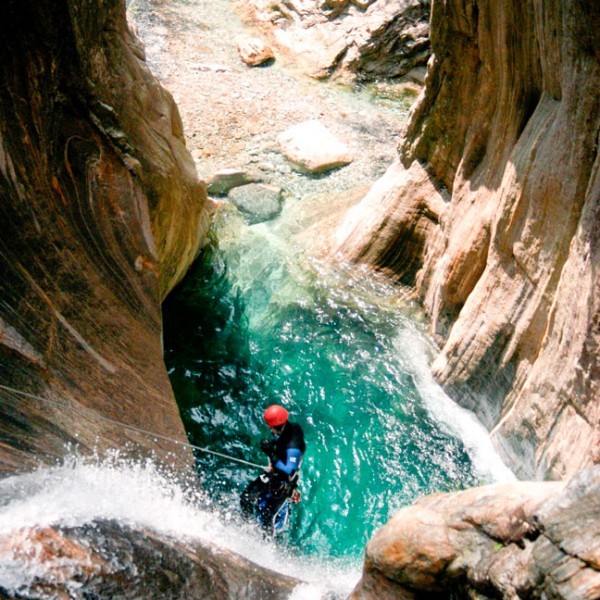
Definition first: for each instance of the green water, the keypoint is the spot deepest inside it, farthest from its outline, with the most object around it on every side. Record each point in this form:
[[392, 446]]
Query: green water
[[257, 322]]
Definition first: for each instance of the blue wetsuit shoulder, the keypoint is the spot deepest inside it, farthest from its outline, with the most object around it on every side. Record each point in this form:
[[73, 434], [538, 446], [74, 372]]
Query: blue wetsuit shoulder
[[290, 448], [292, 463]]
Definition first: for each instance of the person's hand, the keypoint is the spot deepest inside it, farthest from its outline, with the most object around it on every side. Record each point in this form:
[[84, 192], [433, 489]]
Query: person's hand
[[267, 446]]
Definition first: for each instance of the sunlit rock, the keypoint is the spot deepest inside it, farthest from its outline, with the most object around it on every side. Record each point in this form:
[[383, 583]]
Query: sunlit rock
[[363, 3], [415, 547], [254, 52], [312, 148], [405, 207], [512, 540], [363, 39]]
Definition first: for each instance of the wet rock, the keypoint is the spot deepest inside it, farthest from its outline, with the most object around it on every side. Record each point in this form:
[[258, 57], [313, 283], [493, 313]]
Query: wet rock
[[509, 270], [258, 202], [108, 560], [49, 563], [312, 148], [363, 39], [518, 540], [226, 179], [402, 92], [417, 75], [254, 52]]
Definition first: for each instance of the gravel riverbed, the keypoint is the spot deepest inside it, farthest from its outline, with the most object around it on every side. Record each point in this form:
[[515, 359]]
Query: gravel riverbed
[[233, 113]]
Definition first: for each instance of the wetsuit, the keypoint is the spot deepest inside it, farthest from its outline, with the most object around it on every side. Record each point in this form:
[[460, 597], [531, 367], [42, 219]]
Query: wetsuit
[[267, 493]]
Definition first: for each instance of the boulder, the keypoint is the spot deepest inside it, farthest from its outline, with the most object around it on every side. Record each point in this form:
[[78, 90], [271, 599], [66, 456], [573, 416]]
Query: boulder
[[254, 52], [258, 202], [312, 148], [109, 560], [226, 179], [516, 540]]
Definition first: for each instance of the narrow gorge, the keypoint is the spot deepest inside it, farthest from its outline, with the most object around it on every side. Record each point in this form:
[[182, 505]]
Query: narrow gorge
[[172, 262]]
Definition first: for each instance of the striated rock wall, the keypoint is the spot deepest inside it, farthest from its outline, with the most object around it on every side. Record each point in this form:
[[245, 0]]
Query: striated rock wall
[[517, 540], [494, 212], [100, 214], [352, 39]]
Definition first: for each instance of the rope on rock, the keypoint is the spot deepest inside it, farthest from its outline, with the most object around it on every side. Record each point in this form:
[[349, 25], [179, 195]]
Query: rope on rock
[[95, 415]]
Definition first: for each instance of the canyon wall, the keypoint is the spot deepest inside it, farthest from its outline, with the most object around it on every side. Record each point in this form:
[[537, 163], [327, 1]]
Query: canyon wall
[[101, 212], [492, 214]]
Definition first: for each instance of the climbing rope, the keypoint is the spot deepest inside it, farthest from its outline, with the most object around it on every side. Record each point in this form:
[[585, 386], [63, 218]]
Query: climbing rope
[[99, 417]]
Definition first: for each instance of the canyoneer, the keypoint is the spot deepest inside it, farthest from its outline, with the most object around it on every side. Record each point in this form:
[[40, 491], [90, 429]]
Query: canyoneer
[[268, 497]]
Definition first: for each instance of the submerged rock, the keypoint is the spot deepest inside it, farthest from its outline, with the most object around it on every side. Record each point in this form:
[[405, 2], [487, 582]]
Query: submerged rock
[[517, 540], [226, 179], [258, 202], [312, 148]]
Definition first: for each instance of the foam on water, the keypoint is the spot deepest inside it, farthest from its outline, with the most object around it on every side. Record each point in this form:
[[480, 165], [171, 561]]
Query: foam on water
[[455, 419]]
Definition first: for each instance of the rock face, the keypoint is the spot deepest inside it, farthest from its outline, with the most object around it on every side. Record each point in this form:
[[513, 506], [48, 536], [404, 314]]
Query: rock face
[[101, 212], [501, 237], [225, 180], [108, 560], [518, 540], [367, 40]]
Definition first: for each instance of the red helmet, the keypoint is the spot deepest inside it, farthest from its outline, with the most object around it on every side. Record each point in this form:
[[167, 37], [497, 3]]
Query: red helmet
[[275, 415]]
